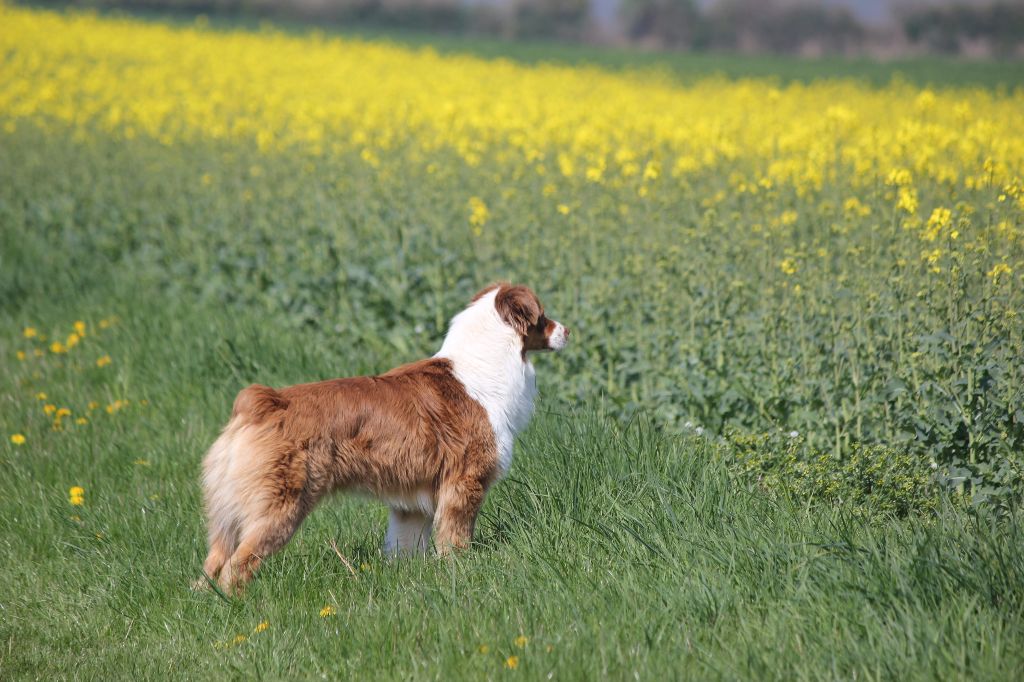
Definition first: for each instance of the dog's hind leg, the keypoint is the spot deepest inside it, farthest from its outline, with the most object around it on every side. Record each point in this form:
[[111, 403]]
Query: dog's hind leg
[[268, 532]]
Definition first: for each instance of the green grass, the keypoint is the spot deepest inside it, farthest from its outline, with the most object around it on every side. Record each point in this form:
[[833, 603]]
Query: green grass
[[623, 544], [617, 551]]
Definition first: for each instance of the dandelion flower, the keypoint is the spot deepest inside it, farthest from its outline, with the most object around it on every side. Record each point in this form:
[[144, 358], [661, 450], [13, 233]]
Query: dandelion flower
[[58, 347], [76, 495], [40, 396], [262, 626], [49, 408], [79, 327], [30, 333], [239, 639], [104, 361], [21, 355], [18, 439], [81, 421], [521, 641], [512, 662], [328, 611]]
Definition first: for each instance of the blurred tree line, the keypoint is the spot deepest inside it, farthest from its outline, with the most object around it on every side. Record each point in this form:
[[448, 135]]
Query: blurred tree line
[[804, 27]]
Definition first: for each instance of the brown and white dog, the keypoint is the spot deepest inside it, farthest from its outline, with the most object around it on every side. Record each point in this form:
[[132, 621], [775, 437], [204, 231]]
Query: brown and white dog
[[427, 438]]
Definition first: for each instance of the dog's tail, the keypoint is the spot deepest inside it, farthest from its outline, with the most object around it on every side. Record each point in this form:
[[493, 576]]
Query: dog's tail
[[226, 467]]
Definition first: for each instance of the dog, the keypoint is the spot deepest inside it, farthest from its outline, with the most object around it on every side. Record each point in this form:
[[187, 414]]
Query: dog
[[427, 438]]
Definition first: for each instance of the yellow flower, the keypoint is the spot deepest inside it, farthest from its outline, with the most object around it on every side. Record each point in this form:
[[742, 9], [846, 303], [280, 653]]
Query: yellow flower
[[478, 214], [20, 354], [104, 361], [63, 412], [263, 625], [907, 200], [521, 641], [79, 327], [18, 439], [49, 409], [239, 639], [76, 495], [29, 332], [788, 266], [93, 404], [81, 421], [58, 347], [512, 662], [999, 269], [73, 340], [40, 396], [328, 611], [563, 209]]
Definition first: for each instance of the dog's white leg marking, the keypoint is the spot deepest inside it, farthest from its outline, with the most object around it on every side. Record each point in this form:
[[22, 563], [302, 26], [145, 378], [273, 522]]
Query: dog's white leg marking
[[408, 533]]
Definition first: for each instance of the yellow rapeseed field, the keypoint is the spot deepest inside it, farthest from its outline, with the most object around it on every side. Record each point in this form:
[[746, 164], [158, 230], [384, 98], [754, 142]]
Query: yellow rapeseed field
[[319, 94]]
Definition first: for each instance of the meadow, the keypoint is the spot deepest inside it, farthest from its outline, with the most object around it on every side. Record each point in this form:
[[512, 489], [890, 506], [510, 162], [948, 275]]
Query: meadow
[[784, 442]]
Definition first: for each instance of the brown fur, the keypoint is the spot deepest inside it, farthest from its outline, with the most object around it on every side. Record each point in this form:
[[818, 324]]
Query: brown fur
[[410, 430]]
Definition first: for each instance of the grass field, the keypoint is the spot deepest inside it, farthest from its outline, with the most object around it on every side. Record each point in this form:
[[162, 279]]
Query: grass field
[[785, 441]]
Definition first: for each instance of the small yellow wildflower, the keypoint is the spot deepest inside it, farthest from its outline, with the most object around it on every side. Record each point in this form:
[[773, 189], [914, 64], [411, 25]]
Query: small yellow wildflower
[[788, 266], [512, 662], [40, 396], [73, 340], [239, 639], [328, 611], [478, 214], [29, 332], [79, 327], [49, 408], [999, 269], [21, 355], [521, 641], [262, 626], [58, 347], [76, 495], [104, 361], [18, 439], [93, 404], [81, 421], [63, 412], [907, 200], [563, 209]]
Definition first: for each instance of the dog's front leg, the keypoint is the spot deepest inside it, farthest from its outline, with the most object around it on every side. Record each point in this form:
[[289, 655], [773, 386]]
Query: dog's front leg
[[458, 503], [408, 533]]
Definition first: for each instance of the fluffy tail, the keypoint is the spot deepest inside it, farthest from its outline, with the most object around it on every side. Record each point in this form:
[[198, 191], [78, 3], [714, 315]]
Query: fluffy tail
[[227, 468]]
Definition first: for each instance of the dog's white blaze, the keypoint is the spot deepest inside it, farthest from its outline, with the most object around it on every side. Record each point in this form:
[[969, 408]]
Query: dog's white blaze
[[558, 338], [486, 356]]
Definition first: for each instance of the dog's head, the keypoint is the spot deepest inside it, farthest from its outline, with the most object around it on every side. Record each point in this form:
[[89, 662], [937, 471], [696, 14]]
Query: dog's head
[[519, 308]]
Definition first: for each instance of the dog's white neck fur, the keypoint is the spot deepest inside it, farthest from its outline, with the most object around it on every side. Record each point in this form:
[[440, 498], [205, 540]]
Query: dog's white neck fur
[[486, 356]]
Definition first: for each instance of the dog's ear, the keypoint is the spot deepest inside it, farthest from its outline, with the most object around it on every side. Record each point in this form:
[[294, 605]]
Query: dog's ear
[[518, 307]]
